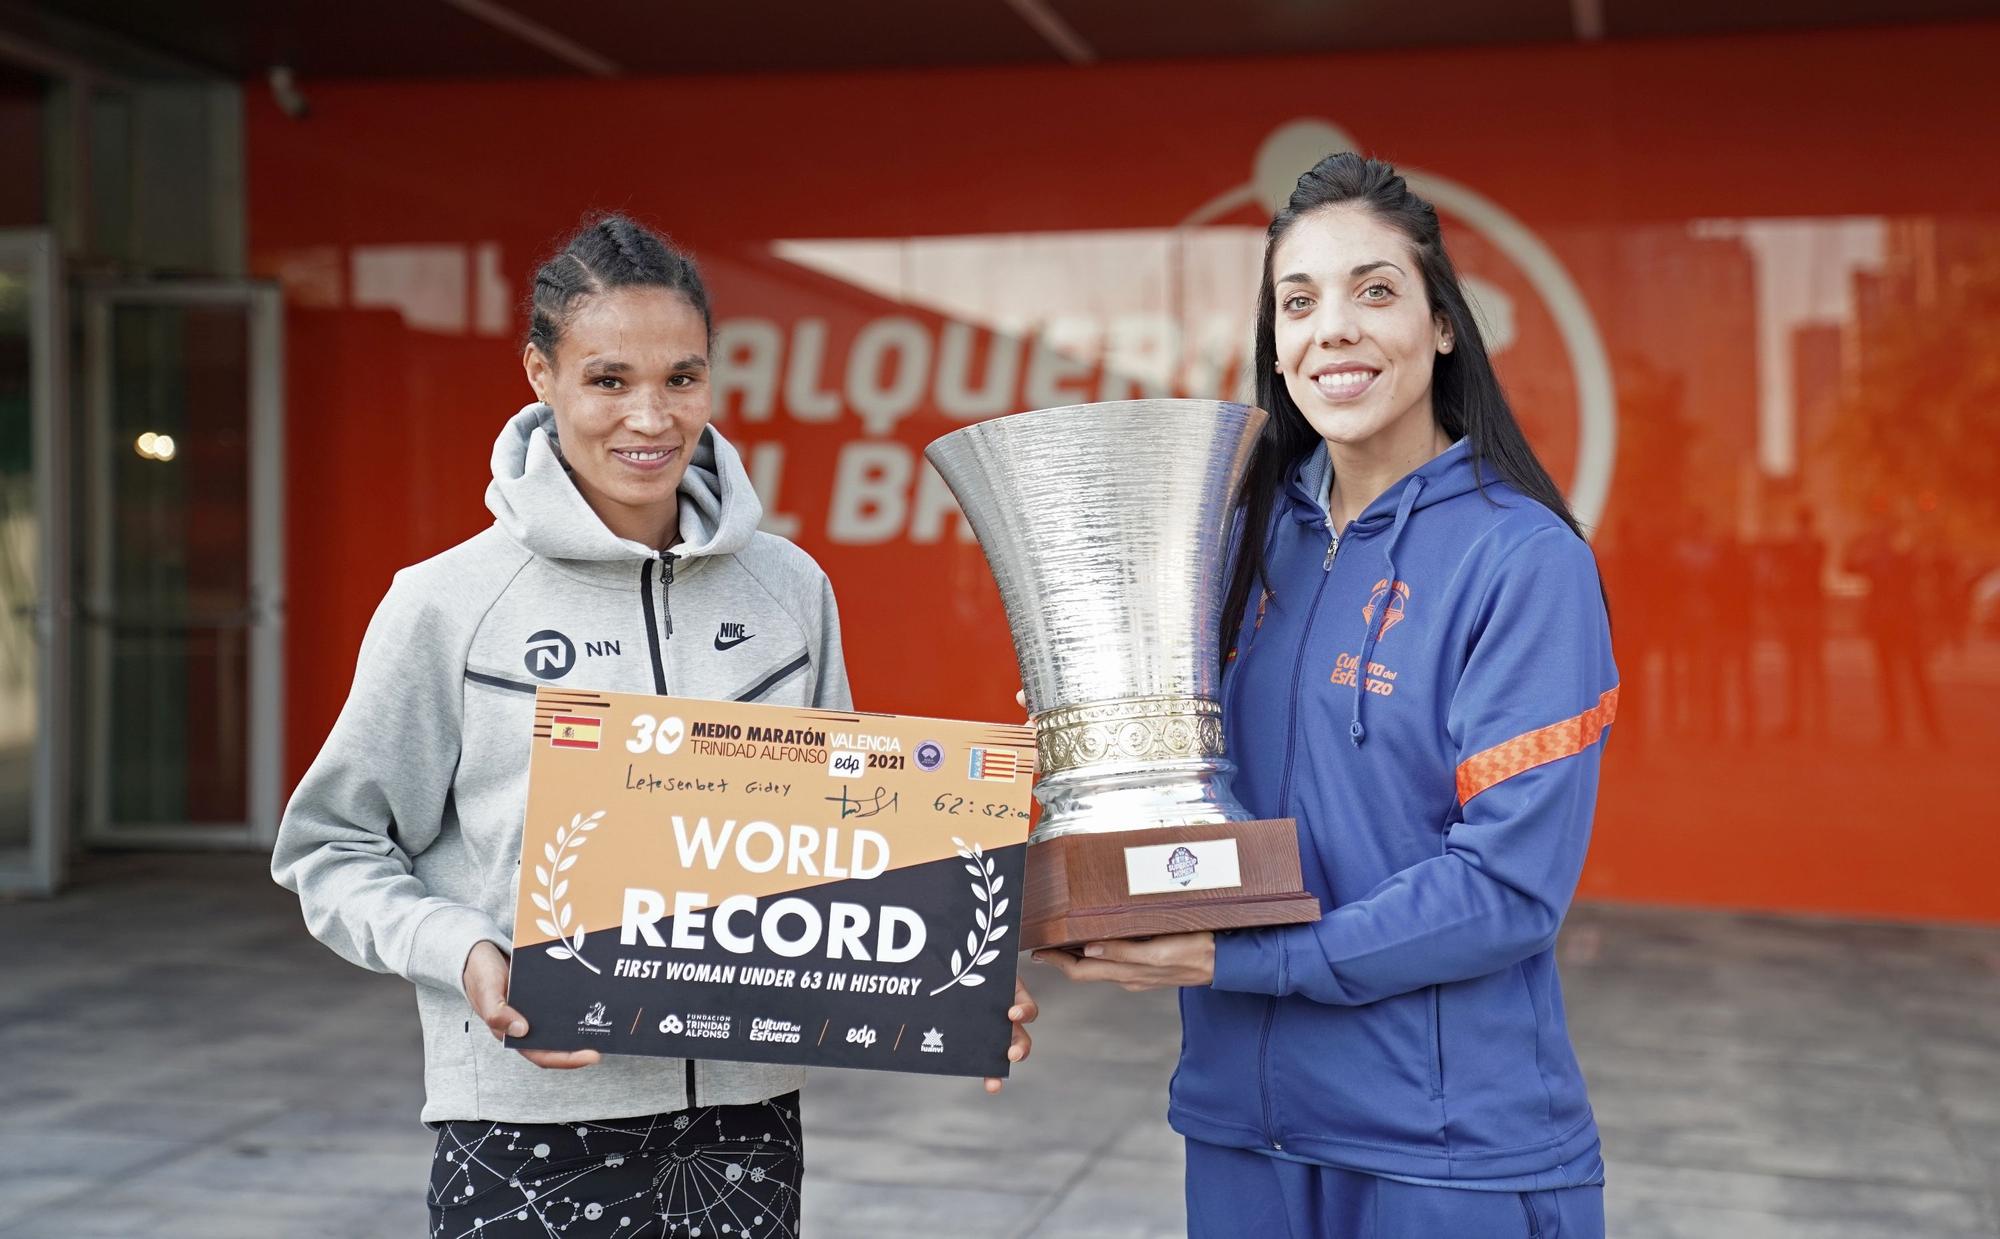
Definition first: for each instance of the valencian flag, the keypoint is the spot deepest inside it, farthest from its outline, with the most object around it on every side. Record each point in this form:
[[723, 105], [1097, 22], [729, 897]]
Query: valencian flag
[[994, 765]]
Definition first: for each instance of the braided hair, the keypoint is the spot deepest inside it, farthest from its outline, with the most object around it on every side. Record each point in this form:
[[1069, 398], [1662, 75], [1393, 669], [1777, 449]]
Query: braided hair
[[609, 251]]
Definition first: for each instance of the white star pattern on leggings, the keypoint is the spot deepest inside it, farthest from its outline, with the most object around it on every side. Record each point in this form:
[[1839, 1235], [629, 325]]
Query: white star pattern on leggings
[[704, 1184]]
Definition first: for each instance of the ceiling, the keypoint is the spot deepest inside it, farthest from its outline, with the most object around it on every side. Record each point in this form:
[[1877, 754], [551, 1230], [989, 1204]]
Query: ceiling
[[487, 38]]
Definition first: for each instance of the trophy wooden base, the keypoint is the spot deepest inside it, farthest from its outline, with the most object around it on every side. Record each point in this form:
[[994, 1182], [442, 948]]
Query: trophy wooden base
[[1163, 880]]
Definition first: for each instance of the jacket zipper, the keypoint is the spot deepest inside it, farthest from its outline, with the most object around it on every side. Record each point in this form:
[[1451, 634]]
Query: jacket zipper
[[1528, 1212], [1437, 1043], [665, 617], [1291, 748], [656, 626], [1298, 664]]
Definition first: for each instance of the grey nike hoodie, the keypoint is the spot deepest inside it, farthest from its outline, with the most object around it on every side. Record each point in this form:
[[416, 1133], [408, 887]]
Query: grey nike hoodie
[[403, 840]]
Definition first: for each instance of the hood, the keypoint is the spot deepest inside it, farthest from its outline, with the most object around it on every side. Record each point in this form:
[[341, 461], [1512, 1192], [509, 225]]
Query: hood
[[1447, 475], [535, 502]]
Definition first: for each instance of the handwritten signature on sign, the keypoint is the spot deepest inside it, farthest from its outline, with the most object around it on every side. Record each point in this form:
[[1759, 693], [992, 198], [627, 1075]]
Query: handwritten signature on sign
[[881, 801]]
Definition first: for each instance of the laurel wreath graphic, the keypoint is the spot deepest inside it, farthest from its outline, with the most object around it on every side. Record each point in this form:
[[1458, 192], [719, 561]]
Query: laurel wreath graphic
[[979, 949], [560, 856]]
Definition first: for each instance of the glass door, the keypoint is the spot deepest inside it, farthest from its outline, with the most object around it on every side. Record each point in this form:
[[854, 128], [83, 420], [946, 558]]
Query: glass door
[[33, 584], [181, 622]]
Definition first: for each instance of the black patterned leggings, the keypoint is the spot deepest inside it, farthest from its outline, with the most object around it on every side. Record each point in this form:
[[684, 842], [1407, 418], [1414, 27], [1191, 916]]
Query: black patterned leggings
[[713, 1172]]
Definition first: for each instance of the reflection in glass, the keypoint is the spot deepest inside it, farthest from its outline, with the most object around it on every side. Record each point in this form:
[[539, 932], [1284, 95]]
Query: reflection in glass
[[1800, 531], [171, 571], [19, 592]]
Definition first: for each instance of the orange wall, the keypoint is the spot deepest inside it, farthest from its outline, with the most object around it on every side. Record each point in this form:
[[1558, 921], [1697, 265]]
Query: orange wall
[[1788, 248]]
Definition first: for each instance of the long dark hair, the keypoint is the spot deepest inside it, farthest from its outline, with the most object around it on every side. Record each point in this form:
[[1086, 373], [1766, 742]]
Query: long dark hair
[[608, 251], [1465, 393]]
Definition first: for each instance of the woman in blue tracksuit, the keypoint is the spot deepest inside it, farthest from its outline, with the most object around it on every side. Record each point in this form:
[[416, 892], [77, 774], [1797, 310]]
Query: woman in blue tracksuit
[[1419, 671]]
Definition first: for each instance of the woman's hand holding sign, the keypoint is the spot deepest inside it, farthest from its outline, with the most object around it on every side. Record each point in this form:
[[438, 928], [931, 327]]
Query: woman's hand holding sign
[[1025, 1009], [485, 979], [1022, 1013]]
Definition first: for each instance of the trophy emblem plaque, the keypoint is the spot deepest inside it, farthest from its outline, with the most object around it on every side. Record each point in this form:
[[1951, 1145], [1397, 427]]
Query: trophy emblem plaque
[[1106, 527]]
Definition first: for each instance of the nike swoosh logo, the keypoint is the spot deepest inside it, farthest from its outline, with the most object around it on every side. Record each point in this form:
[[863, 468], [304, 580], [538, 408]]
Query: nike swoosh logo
[[733, 642]]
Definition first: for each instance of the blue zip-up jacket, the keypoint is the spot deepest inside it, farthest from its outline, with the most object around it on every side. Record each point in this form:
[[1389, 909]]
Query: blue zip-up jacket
[[1429, 700]]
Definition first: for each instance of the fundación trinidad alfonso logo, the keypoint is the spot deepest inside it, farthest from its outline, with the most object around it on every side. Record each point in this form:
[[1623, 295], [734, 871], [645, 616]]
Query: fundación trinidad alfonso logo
[[1393, 601]]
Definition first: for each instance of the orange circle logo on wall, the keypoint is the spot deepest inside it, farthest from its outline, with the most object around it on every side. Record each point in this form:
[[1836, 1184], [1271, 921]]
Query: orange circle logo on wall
[[1562, 359]]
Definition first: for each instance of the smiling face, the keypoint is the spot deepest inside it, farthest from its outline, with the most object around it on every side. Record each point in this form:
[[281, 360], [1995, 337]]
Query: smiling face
[[1356, 336], [629, 386]]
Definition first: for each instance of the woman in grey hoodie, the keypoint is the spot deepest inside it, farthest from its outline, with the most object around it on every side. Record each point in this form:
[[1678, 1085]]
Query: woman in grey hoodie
[[624, 538]]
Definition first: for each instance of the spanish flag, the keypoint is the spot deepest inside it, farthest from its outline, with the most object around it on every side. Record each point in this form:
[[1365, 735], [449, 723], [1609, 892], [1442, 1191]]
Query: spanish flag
[[572, 731]]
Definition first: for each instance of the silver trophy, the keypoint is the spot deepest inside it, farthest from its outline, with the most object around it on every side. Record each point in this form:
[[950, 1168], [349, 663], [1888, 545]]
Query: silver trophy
[[1106, 527]]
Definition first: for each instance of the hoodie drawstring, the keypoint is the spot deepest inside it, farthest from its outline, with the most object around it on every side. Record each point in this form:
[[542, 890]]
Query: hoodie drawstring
[[1376, 622], [666, 579]]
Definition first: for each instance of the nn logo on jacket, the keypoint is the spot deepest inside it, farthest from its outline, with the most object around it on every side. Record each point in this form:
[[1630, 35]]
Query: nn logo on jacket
[[550, 655], [1392, 600]]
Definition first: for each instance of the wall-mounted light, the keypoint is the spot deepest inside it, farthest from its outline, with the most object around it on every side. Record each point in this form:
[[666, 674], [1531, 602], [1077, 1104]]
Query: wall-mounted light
[[155, 446], [285, 92]]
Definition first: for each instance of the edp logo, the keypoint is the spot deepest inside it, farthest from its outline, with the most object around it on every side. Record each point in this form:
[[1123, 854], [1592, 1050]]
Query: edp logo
[[863, 1036]]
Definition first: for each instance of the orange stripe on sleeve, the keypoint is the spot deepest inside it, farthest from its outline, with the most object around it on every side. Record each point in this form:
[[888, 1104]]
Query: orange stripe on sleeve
[[1536, 748]]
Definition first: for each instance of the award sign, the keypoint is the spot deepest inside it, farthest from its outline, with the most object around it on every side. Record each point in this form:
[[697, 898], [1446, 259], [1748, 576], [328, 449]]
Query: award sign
[[708, 879]]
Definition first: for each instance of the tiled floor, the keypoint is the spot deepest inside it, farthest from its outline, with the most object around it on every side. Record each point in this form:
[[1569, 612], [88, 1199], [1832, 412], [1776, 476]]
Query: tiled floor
[[178, 1059]]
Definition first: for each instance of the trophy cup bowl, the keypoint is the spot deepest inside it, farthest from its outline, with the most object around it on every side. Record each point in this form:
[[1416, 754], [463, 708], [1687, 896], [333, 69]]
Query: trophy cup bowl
[[1106, 527]]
